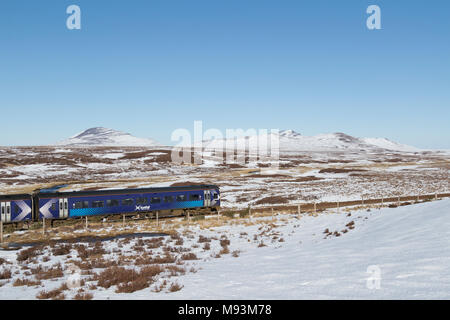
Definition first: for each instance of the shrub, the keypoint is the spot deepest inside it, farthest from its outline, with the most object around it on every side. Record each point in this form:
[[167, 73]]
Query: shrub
[[224, 250], [175, 287], [115, 275], [175, 271], [135, 285], [189, 256], [55, 271], [26, 282], [5, 274], [56, 294], [29, 253], [202, 239], [83, 296], [61, 250]]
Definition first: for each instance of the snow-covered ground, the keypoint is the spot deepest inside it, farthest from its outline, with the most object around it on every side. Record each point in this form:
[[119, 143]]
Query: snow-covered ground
[[409, 246], [387, 253]]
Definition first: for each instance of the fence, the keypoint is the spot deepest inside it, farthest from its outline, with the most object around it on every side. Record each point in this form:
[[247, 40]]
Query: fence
[[319, 206]]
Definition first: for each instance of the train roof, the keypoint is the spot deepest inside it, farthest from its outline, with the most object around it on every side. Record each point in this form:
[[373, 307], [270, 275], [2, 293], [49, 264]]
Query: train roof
[[125, 191], [12, 197]]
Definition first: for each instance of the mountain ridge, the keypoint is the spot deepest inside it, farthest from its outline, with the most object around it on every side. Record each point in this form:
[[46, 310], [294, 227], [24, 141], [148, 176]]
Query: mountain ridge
[[290, 140], [100, 136]]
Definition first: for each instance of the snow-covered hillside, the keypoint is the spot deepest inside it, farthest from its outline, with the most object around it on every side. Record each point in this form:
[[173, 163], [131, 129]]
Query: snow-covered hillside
[[385, 143], [100, 136], [289, 140], [407, 245]]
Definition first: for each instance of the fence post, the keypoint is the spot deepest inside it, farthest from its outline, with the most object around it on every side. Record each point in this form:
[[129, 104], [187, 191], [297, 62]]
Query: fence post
[[337, 207], [299, 209], [157, 219], [86, 222], [398, 201], [362, 200], [315, 207], [218, 215], [43, 226], [123, 220], [435, 196], [418, 198]]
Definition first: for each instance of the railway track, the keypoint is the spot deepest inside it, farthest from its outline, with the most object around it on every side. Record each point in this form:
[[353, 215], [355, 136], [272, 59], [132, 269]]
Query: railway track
[[304, 208]]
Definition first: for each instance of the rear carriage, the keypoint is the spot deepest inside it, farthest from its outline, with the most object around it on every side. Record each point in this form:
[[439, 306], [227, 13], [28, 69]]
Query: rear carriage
[[16, 208]]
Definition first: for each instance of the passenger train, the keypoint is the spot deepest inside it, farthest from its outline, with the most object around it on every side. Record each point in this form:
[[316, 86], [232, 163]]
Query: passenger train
[[67, 205]]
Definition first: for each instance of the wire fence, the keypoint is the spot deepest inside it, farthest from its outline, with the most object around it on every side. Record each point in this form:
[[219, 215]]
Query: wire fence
[[311, 207]]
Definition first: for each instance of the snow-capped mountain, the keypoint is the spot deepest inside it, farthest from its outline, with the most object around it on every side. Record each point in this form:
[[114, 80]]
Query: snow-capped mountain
[[290, 140], [100, 136]]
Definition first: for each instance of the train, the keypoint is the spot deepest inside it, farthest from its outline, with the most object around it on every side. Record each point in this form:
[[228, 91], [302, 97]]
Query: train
[[55, 205]]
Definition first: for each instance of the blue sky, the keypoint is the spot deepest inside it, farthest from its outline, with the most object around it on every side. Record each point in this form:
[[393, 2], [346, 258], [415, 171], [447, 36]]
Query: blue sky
[[150, 67]]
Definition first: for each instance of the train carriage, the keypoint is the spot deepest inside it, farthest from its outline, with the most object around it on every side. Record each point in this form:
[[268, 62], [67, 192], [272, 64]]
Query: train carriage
[[16, 208], [63, 205]]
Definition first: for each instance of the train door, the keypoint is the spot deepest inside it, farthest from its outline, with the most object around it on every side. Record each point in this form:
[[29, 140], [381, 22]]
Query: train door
[[207, 198], [66, 208], [6, 211], [3, 208], [63, 208]]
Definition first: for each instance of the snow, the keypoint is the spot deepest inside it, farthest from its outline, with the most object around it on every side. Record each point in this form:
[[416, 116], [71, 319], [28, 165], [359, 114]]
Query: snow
[[100, 136], [390, 145], [408, 245], [291, 141]]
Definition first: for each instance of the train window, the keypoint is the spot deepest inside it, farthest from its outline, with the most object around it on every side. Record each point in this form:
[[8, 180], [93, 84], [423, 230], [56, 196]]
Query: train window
[[195, 197], [112, 203], [97, 204], [156, 200], [181, 197], [141, 201], [85, 204], [78, 205], [60, 206], [127, 202], [3, 210], [53, 208], [216, 196], [168, 198], [8, 209]]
